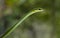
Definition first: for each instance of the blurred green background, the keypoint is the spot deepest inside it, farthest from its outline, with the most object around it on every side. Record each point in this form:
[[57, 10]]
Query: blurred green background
[[38, 25]]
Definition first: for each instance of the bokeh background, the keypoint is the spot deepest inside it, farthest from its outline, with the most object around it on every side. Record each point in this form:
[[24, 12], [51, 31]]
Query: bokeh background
[[46, 25]]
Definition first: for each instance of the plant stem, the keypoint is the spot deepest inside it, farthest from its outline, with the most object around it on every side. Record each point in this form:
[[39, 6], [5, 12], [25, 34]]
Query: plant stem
[[53, 21], [17, 24]]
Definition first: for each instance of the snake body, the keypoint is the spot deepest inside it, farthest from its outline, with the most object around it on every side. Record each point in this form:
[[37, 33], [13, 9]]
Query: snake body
[[17, 24]]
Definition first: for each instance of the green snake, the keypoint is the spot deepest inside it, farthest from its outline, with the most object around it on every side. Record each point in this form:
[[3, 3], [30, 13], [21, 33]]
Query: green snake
[[10, 30]]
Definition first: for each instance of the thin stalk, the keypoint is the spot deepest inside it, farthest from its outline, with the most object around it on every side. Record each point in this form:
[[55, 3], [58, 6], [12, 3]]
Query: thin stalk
[[17, 24], [33, 31], [2, 9], [53, 21]]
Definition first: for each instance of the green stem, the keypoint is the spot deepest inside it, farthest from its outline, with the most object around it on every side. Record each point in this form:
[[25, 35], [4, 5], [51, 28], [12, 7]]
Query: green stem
[[53, 18], [17, 24]]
